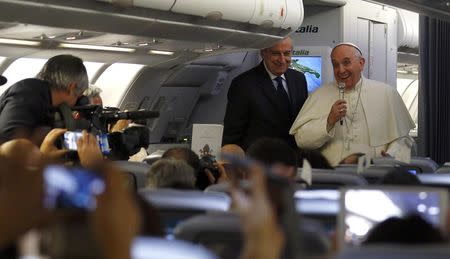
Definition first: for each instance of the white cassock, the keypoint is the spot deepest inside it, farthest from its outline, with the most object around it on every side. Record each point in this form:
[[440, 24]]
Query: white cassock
[[377, 120]]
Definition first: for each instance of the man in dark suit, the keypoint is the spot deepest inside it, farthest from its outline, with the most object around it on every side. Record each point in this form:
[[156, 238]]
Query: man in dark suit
[[264, 101]]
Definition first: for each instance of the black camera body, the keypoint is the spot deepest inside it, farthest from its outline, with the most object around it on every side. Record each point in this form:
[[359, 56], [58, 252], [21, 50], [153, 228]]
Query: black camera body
[[97, 119]]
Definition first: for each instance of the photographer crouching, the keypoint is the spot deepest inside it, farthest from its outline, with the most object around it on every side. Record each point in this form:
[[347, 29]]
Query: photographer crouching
[[27, 108], [121, 134]]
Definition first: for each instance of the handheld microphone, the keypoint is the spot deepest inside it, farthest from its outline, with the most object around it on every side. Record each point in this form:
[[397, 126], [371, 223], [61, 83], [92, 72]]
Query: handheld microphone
[[341, 87]]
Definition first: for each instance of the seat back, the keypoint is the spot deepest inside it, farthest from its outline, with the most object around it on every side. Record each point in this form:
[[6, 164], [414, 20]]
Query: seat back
[[372, 174], [415, 166], [394, 251], [335, 180], [436, 180], [221, 232], [159, 248], [138, 170], [177, 205]]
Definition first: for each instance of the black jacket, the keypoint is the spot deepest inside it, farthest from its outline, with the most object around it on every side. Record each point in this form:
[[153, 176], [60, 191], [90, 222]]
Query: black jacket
[[253, 110], [25, 107]]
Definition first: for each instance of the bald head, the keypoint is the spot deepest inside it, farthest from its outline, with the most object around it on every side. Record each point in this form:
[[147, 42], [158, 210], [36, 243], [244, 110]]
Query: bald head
[[233, 149]]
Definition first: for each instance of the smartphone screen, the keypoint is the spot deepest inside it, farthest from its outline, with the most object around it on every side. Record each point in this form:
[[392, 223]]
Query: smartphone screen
[[362, 209], [71, 138], [71, 188]]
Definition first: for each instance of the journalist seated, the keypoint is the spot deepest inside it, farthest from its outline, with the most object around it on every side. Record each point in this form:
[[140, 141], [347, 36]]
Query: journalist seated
[[171, 173]]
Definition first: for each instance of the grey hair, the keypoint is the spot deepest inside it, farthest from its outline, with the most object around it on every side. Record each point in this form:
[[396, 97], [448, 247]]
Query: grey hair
[[92, 91], [62, 70], [171, 173]]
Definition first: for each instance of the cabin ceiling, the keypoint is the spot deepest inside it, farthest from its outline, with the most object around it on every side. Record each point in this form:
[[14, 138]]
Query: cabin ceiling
[[434, 8], [97, 23]]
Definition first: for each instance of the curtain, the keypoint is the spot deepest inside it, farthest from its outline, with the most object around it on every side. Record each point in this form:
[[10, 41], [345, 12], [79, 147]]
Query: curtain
[[434, 89]]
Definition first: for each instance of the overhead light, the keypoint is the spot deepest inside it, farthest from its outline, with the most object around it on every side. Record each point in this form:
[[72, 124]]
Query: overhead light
[[19, 42], [161, 52], [95, 47]]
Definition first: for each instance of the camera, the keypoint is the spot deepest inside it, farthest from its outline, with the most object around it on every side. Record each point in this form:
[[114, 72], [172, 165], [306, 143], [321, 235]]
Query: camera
[[97, 120], [207, 162]]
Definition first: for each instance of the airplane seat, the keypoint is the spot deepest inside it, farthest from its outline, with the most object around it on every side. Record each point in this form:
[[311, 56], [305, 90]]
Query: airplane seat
[[443, 170], [419, 164], [137, 170], [221, 232], [436, 180], [160, 248], [425, 163], [372, 174], [332, 180], [393, 251], [174, 206]]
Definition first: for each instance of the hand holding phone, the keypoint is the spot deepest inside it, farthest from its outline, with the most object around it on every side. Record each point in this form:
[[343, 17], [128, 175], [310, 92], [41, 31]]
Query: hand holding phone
[[71, 138], [88, 150]]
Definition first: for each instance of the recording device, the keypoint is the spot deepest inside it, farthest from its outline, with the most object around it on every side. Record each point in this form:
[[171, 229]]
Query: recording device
[[341, 86], [97, 120], [208, 162], [363, 208], [71, 138], [281, 195], [71, 188]]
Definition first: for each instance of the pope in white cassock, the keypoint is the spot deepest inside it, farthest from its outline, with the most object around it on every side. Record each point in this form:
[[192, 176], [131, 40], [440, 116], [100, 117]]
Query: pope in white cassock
[[370, 119]]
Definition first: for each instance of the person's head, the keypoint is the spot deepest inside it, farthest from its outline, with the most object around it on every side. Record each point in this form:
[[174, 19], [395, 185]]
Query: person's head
[[412, 229], [185, 154], [231, 171], [278, 57], [171, 173], [314, 157], [348, 64], [275, 153], [67, 77], [93, 93]]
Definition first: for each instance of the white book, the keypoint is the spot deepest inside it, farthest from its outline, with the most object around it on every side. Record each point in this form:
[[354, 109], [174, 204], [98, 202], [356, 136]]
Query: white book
[[206, 139]]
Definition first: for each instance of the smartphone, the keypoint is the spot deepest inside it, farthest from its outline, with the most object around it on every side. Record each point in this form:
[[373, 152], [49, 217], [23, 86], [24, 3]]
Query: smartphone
[[363, 208], [71, 138], [71, 187]]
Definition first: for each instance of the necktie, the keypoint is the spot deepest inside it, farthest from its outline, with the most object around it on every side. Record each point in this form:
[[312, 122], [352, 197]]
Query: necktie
[[282, 95]]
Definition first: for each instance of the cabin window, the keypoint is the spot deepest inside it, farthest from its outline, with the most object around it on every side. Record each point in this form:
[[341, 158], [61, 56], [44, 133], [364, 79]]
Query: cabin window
[[20, 69], [92, 69], [408, 87], [115, 81]]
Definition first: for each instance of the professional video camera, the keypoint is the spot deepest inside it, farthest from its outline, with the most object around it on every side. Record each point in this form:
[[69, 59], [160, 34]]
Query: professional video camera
[[97, 120]]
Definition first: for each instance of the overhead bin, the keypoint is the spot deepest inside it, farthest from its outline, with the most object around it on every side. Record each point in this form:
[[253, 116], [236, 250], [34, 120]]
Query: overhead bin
[[286, 14], [233, 10], [408, 29], [294, 14], [154, 4], [269, 13]]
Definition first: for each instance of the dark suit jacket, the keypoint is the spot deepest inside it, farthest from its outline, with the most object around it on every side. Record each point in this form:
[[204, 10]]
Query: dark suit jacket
[[254, 111]]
